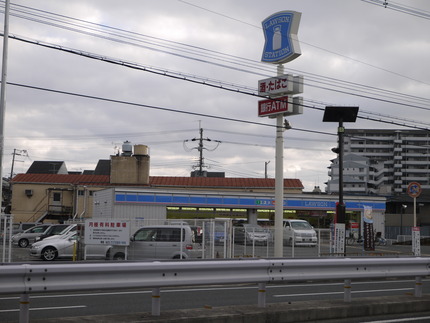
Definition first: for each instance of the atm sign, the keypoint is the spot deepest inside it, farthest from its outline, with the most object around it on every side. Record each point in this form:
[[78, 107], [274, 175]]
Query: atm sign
[[275, 106]]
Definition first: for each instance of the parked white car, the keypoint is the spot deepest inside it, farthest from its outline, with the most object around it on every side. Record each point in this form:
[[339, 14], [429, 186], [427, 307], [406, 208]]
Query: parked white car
[[63, 247], [299, 231]]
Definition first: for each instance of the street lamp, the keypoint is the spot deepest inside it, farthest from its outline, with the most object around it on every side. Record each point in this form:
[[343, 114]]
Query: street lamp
[[340, 114]]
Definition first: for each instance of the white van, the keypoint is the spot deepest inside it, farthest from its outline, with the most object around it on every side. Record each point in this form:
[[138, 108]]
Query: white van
[[159, 242], [299, 231]]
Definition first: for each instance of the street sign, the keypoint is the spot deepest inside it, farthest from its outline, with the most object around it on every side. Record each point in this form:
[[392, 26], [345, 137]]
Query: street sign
[[414, 189], [281, 85], [280, 32]]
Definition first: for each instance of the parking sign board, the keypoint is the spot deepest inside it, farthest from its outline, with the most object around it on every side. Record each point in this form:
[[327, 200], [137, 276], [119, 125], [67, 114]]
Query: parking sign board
[[107, 232]]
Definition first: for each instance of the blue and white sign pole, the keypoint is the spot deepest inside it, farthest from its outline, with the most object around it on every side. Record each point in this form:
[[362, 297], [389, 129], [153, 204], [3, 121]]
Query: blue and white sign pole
[[281, 46]]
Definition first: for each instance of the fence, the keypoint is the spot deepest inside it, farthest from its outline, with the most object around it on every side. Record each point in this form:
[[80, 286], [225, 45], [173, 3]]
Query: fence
[[220, 239], [28, 279]]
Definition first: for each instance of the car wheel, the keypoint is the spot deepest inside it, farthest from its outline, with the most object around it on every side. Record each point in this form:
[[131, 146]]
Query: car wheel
[[23, 243], [49, 253], [119, 256]]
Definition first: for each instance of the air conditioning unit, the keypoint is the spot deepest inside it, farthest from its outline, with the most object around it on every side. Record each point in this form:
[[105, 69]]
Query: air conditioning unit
[[29, 193]]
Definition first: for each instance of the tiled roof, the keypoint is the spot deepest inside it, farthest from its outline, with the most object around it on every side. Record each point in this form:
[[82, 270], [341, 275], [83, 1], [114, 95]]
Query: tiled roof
[[222, 182], [62, 179], [160, 181]]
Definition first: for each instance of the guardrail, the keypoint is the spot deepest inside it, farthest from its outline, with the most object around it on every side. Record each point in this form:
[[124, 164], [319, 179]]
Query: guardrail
[[26, 279]]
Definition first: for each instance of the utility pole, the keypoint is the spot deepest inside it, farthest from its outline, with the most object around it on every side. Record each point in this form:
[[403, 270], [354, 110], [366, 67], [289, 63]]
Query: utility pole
[[200, 149], [16, 152], [3, 90]]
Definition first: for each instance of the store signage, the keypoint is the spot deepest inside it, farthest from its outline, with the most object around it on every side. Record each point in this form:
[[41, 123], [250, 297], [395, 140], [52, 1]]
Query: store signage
[[276, 106], [280, 32], [281, 85]]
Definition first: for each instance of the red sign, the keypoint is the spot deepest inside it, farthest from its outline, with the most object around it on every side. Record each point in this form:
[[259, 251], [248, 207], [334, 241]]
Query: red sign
[[275, 106], [414, 189], [354, 225]]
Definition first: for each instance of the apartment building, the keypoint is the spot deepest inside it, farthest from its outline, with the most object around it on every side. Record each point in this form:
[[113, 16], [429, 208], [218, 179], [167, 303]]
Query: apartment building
[[382, 161]]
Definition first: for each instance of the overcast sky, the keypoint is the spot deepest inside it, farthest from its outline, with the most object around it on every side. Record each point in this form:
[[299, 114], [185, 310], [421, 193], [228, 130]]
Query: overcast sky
[[63, 106]]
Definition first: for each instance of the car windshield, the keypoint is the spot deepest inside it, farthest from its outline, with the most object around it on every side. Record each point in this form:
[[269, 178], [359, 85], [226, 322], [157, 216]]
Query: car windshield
[[58, 229], [301, 225], [65, 230], [36, 229]]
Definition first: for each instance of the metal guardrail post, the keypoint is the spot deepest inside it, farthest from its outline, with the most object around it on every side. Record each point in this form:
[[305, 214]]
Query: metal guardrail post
[[418, 287], [24, 308], [347, 290], [156, 302], [261, 294]]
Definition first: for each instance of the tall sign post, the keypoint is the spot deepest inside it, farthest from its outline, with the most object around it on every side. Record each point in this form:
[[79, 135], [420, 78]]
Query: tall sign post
[[281, 46], [414, 190], [340, 114]]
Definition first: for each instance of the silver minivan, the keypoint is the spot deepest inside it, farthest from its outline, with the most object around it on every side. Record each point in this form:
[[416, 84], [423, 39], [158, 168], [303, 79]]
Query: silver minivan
[[159, 242], [300, 232]]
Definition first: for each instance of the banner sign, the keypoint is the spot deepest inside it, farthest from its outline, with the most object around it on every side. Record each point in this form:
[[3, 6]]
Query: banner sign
[[369, 239], [416, 241], [280, 33], [339, 247]]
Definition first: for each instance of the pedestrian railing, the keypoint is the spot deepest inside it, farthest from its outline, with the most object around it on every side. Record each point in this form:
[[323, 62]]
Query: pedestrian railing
[[27, 279]]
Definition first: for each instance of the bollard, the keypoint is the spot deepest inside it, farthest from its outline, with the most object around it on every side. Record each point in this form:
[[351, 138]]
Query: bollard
[[24, 308], [261, 295], [156, 302], [418, 287], [347, 290]]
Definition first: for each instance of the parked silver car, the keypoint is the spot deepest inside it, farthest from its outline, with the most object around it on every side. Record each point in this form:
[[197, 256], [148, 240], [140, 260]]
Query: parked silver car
[[251, 234], [160, 241], [63, 247], [25, 238]]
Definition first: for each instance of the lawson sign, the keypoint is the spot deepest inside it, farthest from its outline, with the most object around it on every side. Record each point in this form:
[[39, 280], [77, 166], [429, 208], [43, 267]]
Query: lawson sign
[[280, 33], [235, 201]]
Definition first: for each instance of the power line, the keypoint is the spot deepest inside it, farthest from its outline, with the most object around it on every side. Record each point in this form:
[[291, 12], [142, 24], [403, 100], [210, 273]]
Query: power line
[[211, 83], [400, 8], [188, 49]]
